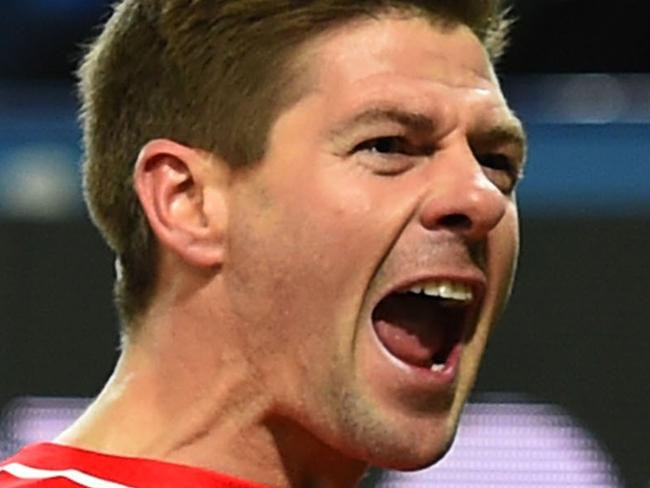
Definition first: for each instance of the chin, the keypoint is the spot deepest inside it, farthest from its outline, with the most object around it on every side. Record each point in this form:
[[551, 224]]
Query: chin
[[394, 431], [404, 447], [415, 458]]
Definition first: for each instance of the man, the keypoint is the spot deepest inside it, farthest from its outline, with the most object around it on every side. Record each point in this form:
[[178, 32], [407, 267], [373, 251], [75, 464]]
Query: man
[[313, 208]]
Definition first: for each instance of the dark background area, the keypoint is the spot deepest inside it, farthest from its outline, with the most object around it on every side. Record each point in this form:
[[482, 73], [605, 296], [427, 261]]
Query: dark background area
[[41, 39], [580, 36], [577, 332]]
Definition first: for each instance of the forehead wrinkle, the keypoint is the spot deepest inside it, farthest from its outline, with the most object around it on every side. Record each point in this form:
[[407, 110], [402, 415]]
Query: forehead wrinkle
[[443, 77]]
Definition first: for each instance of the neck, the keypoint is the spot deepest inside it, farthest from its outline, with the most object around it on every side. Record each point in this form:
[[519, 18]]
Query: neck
[[205, 411]]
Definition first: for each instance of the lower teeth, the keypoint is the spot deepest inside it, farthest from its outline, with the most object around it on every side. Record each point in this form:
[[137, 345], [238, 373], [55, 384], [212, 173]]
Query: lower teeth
[[437, 368]]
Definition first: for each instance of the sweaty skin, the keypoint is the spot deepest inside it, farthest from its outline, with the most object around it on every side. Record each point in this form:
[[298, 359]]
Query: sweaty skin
[[271, 369]]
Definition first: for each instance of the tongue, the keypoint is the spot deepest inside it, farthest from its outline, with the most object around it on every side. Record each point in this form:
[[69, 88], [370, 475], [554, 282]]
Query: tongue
[[407, 326]]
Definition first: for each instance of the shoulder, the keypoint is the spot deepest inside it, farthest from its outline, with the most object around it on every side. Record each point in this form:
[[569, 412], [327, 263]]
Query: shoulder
[[56, 466], [16, 476], [49, 466]]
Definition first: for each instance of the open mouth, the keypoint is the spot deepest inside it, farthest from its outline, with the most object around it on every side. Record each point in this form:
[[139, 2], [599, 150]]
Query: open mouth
[[421, 326]]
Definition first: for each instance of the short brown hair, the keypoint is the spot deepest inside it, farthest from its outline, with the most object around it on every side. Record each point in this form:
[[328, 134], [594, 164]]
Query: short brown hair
[[211, 74]]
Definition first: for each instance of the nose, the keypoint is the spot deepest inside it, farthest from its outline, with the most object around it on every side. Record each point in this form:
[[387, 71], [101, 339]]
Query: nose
[[461, 198]]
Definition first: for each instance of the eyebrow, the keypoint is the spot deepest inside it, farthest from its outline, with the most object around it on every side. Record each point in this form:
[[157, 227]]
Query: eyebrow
[[412, 121], [506, 133], [509, 132]]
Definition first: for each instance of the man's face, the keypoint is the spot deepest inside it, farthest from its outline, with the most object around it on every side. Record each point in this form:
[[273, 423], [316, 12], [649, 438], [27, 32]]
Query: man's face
[[372, 249]]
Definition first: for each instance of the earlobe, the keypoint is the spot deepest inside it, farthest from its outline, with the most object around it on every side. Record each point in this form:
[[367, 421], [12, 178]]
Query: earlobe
[[181, 192]]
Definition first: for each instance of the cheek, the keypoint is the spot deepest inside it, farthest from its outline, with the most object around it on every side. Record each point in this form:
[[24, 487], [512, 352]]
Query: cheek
[[337, 220], [503, 255], [304, 249], [509, 242], [293, 253]]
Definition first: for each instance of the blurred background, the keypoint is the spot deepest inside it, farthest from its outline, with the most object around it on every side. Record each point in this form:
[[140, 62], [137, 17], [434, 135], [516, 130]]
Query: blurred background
[[563, 398]]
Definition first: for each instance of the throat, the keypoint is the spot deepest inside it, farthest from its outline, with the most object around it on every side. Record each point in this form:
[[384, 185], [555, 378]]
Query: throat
[[309, 462]]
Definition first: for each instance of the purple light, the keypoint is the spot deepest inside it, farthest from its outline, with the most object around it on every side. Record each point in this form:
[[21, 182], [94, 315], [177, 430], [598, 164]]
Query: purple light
[[499, 445], [508, 445], [34, 419]]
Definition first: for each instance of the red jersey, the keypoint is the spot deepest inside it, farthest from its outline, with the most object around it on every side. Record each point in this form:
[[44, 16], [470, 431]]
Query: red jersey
[[54, 466]]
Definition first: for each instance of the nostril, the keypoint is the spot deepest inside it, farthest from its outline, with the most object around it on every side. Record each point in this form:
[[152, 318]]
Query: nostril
[[456, 221]]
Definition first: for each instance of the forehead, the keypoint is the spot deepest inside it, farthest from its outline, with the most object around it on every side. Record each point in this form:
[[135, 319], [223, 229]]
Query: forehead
[[404, 39], [410, 61]]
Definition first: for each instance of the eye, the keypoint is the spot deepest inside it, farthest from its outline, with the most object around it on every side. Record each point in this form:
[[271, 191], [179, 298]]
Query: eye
[[390, 155], [385, 145], [501, 170], [398, 145], [496, 161]]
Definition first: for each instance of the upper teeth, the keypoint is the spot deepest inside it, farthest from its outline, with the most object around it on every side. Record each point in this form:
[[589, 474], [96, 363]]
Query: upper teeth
[[444, 289]]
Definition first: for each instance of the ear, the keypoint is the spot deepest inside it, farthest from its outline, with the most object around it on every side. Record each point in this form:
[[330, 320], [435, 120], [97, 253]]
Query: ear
[[182, 193]]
